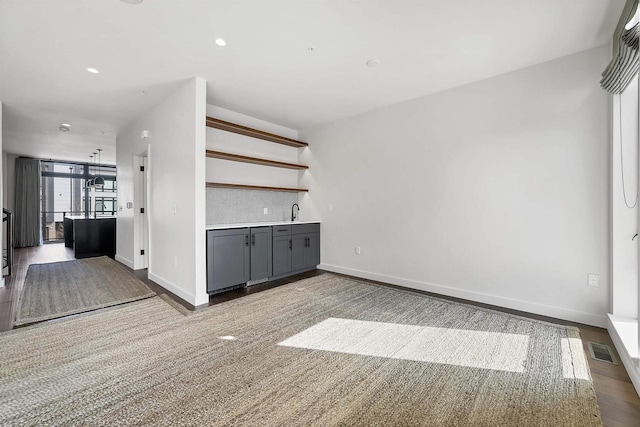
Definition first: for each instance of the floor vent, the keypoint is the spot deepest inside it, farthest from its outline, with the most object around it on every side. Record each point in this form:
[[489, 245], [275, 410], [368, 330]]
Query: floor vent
[[256, 282], [601, 352]]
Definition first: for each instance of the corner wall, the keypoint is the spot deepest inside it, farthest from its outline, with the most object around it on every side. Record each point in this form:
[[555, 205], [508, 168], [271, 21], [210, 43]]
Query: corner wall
[[176, 192], [624, 221], [496, 191], [2, 204]]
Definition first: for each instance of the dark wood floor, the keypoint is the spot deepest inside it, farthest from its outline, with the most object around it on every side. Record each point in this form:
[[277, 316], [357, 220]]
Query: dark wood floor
[[618, 400]]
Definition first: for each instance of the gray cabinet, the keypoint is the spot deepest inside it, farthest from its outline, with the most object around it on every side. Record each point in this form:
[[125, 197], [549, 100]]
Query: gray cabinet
[[237, 255], [312, 253], [308, 247], [295, 248], [261, 258], [298, 249], [228, 258], [281, 254], [306, 251]]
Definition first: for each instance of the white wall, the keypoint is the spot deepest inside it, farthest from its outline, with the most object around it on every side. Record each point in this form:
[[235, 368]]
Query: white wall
[[496, 191], [175, 150], [624, 224]]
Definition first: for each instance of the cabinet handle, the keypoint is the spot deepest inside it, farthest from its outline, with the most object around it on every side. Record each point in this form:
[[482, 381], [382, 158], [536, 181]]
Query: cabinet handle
[[290, 246], [283, 229], [253, 240], [306, 242], [246, 240]]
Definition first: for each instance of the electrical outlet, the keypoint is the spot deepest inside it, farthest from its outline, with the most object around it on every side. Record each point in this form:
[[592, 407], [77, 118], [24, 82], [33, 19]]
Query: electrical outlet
[[358, 250], [175, 260], [265, 211], [330, 208], [593, 280], [174, 209]]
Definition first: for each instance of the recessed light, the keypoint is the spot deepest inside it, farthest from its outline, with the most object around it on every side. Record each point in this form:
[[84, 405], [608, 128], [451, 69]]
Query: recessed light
[[66, 125], [221, 42], [93, 70], [373, 63]]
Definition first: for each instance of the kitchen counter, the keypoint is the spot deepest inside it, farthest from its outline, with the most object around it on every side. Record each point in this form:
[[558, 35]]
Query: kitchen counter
[[74, 217], [90, 236], [257, 224]]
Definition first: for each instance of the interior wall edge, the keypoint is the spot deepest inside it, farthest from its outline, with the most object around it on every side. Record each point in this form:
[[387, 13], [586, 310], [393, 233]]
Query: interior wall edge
[[633, 369], [173, 288], [125, 261], [514, 304]]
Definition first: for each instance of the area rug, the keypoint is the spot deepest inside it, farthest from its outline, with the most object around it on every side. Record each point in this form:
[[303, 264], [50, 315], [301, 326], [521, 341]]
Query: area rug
[[64, 288], [324, 351]]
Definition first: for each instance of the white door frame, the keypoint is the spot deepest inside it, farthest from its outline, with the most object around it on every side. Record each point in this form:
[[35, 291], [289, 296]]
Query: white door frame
[[141, 232]]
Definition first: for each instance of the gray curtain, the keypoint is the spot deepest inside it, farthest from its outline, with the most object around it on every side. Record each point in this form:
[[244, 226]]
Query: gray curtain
[[626, 60], [27, 222]]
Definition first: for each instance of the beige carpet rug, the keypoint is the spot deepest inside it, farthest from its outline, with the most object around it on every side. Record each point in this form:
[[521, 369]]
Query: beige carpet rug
[[63, 288], [324, 351]]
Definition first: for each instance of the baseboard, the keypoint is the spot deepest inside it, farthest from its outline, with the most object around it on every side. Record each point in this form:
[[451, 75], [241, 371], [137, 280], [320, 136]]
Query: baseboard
[[530, 307], [632, 367], [124, 261], [171, 287]]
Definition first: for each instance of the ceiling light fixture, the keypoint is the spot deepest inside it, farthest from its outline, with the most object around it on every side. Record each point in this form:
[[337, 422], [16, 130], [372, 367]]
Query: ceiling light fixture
[[93, 70], [221, 42], [65, 127], [99, 181], [90, 184], [373, 63]]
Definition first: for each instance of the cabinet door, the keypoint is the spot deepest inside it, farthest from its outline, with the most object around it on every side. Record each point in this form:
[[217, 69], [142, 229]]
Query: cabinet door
[[312, 252], [260, 252], [228, 258], [281, 254], [298, 251]]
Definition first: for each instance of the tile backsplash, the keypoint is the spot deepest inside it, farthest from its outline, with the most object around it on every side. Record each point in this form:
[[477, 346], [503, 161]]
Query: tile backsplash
[[230, 206]]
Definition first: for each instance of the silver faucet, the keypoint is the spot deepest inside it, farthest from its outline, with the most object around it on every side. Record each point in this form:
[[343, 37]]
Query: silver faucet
[[293, 215]]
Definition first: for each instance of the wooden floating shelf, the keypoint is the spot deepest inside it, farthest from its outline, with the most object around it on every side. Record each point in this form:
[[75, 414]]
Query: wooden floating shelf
[[254, 160], [254, 187], [255, 133]]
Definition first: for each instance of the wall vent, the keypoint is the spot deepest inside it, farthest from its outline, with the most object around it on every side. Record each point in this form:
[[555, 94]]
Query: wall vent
[[601, 352]]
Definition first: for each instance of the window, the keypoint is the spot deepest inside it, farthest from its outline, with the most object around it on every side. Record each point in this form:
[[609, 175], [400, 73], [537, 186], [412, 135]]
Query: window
[[64, 192], [105, 206]]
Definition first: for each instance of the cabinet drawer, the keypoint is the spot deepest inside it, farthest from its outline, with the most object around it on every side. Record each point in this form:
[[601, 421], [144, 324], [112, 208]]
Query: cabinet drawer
[[305, 228], [228, 232], [281, 230]]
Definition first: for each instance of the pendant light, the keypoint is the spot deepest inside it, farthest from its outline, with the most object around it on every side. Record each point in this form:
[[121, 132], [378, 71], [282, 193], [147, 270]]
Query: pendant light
[[90, 181], [99, 180]]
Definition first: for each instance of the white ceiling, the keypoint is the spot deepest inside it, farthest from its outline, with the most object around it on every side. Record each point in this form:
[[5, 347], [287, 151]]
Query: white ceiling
[[265, 70]]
